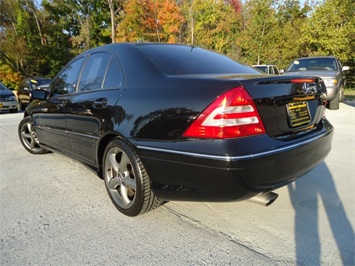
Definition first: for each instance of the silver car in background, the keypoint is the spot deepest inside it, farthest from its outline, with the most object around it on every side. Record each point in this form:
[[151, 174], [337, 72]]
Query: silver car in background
[[329, 69]]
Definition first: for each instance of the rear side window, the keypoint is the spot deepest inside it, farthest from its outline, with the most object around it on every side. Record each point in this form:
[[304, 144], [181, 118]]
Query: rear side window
[[186, 60], [94, 72], [114, 76], [262, 68], [271, 70]]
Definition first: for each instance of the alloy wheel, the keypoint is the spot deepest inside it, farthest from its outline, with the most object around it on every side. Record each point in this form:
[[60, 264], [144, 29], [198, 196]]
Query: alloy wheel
[[120, 178]]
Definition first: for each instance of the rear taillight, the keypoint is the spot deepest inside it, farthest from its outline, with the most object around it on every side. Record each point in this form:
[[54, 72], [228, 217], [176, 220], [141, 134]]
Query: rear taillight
[[233, 114]]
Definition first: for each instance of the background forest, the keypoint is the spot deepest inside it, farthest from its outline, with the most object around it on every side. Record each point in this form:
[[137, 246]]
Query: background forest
[[38, 38]]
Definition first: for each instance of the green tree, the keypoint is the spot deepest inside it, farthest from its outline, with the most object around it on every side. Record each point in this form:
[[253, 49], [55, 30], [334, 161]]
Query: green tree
[[116, 9], [287, 41], [84, 23], [258, 31], [331, 30], [21, 36], [39, 40], [212, 24]]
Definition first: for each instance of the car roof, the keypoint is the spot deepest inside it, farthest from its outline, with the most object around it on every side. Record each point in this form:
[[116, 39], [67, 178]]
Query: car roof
[[131, 44], [315, 57]]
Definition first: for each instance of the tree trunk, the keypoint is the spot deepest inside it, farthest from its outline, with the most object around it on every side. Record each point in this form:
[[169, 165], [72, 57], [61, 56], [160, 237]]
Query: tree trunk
[[113, 26]]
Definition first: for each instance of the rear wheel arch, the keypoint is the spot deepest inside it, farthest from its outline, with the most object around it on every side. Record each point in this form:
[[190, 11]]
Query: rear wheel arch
[[102, 146], [126, 179]]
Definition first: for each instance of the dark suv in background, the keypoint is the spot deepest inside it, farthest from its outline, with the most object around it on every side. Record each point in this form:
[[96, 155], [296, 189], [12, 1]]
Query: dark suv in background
[[329, 69], [25, 88]]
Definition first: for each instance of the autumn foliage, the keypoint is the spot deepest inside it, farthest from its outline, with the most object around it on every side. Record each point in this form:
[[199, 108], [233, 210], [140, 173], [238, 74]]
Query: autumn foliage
[[37, 40], [150, 20]]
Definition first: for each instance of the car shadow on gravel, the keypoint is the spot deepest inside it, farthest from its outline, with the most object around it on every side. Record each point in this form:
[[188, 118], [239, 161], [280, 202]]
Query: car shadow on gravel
[[309, 195]]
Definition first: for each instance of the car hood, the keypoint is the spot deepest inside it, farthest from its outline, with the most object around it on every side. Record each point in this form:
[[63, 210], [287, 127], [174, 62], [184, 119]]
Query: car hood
[[6, 93], [318, 73]]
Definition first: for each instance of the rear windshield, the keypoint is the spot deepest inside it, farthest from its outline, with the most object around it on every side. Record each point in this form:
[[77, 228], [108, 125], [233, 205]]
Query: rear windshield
[[187, 60]]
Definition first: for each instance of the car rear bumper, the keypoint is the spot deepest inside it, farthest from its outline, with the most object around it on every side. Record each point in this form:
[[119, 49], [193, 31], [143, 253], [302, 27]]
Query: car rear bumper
[[180, 175]]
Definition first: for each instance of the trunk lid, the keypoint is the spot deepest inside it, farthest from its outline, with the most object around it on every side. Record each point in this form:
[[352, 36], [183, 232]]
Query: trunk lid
[[288, 105]]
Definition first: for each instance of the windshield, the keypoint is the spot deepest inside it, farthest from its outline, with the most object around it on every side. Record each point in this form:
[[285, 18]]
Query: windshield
[[186, 60], [305, 64], [2, 87], [38, 82]]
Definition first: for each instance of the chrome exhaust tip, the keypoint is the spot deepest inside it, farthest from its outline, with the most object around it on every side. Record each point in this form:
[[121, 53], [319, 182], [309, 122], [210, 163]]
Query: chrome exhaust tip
[[264, 198]]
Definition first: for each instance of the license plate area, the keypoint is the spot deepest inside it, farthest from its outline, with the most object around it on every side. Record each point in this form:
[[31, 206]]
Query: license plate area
[[298, 113]]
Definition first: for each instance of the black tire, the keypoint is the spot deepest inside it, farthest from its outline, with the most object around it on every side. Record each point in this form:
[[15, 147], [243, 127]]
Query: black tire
[[13, 110], [21, 106], [28, 137], [341, 94], [126, 180]]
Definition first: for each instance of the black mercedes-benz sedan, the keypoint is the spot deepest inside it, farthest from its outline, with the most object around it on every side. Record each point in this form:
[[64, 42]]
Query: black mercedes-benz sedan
[[162, 122]]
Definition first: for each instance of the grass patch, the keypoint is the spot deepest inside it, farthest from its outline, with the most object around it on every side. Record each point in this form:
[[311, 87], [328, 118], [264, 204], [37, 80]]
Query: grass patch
[[349, 94]]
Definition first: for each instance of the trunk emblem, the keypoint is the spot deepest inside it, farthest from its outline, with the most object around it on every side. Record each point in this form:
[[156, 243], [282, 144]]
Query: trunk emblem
[[308, 88]]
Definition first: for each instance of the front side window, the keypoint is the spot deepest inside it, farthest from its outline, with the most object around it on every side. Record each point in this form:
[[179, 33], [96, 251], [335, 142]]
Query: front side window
[[67, 80], [94, 72]]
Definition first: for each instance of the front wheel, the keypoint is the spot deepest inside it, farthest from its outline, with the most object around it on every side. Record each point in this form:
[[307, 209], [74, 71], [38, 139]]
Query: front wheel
[[126, 180], [341, 94], [28, 136]]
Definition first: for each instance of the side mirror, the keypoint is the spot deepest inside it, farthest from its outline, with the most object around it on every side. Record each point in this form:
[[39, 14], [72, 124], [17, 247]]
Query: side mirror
[[40, 94], [345, 68], [282, 71]]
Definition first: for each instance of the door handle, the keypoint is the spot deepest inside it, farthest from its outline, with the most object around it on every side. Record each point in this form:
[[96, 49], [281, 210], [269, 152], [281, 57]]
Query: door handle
[[100, 103]]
